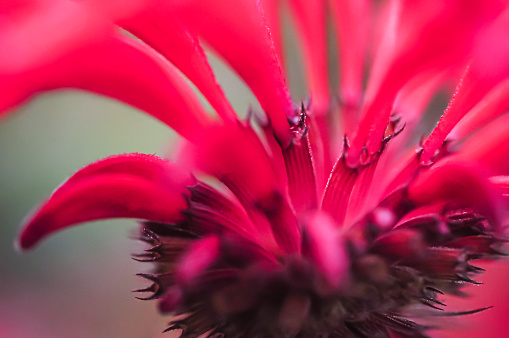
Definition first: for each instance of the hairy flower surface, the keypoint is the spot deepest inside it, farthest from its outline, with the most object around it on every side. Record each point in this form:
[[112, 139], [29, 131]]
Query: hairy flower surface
[[314, 219]]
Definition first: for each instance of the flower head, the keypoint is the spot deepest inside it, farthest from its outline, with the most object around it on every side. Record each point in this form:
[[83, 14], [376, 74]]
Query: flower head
[[289, 224]]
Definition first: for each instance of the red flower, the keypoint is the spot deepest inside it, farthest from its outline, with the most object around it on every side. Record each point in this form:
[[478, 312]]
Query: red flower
[[278, 226]]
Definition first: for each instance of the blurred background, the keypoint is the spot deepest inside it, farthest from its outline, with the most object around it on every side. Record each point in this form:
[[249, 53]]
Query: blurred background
[[78, 282]]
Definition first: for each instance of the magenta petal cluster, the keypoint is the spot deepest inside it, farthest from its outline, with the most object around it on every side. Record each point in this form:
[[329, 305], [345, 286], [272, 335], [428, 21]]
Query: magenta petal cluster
[[321, 218]]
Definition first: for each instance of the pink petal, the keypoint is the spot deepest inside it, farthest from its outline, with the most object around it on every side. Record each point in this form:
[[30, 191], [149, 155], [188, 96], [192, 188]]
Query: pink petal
[[271, 10], [159, 27], [124, 186], [432, 35], [424, 216], [196, 260], [352, 20], [447, 183], [311, 26], [468, 92], [143, 166], [489, 66], [358, 204], [323, 244], [491, 323], [37, 32], [415, 96], [129, 71], [488, 147], [496, 102], [502, 183], [235, 154], [248, 49]]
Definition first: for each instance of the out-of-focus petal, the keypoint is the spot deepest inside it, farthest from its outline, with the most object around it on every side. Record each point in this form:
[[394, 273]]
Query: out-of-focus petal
[[463, 184], [322, 243], [431, 34], [488, 67], [116, 187], [271, 10], [143, 166], [159, 27], [201, 255], [311, 24], [488, 147], [491, 106], [490, 323], [414, 97], [34, 33], [352, 23], [124, 69], [248, 49], [236, 155]]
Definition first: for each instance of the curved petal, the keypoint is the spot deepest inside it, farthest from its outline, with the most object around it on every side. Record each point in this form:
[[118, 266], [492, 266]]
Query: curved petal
[[248, 49], [235, 154], [431, 34], [143, 166], [124, 69], [489, 147], [495, 102], [458, 183], [124, 186], [159, 27], [37, 32], [489, 66]]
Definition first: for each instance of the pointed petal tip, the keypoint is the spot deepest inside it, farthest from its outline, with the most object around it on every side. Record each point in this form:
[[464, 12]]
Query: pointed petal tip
[[28, 236], [123, 186]]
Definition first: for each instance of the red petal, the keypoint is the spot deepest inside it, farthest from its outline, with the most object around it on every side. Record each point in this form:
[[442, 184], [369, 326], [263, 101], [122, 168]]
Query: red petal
[[129, 71], [272, 18], [352, 23], [432, 34], [235, 154], [37, 32], [502, 182], [311, 25], [236, 29], [115, 187], [491, 106], [160, 28], [458, 183], [415, 96], [468, 92], [488, 67], [143, 166], [202, 254], [489, 147], [323, 244]]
